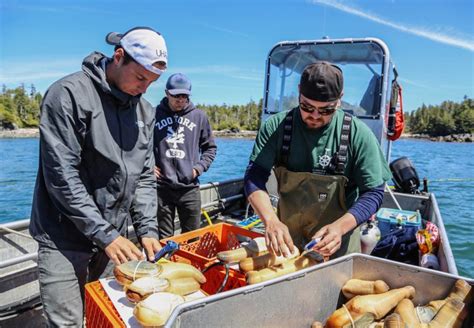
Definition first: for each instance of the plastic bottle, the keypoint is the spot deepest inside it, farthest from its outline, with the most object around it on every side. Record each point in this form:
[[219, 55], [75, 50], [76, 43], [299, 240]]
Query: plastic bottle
[[369, 237], [430, 261]]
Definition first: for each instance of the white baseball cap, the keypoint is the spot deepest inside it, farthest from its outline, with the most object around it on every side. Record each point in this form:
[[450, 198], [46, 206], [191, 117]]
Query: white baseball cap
[[144, 45]]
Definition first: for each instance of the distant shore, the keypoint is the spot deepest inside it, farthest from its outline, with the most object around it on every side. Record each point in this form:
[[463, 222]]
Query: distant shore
[[235, 134], [466, 137], [34, 133], [20, 133]]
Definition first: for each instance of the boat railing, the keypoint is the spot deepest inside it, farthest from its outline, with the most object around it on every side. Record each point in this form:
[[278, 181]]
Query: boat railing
[[214, 195], [222, 193]]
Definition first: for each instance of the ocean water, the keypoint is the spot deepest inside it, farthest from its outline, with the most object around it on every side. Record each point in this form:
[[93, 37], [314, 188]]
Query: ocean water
[[449, 168]]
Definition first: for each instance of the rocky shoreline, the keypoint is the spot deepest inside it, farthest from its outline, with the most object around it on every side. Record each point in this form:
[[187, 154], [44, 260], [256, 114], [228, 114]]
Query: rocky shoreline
[[34, 133], [466, 137], [235, 134], [20, 133]]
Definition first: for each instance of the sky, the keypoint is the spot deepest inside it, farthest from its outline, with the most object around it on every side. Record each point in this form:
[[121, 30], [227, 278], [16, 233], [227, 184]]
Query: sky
[[222, 45]]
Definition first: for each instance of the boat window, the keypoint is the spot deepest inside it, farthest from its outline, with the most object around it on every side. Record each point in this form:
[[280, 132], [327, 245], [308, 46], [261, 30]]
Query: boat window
[[361, 63]]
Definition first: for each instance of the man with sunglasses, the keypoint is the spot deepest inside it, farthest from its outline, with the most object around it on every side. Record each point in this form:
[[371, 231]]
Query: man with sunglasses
[[95, 174], [329, 168], [184, 148]]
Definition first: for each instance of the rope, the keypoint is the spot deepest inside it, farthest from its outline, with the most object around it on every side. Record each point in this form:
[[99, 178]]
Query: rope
[[219, 198], [393, 196], [452, 180], [15, 232], [418, 314], [247, 210], [350, 316], [253, 224], [136, 268], [203, 211]]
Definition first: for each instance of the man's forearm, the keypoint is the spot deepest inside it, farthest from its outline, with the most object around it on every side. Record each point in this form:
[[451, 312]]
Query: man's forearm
[[346, 223], [261, 203]]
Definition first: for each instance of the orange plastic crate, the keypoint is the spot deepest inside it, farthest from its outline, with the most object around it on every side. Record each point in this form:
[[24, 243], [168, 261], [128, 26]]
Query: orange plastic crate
[[215, 277], [100, 312], [201, 246]]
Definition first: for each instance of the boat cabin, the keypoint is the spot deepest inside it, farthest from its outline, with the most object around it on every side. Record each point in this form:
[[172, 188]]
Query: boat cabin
[[368, 73]]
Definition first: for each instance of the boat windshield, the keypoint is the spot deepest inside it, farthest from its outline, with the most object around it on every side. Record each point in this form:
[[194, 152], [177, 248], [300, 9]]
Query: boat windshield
[[361, 62]]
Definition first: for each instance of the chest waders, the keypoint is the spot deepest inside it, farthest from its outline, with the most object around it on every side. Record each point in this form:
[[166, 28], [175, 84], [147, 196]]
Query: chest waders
[[309, 201]]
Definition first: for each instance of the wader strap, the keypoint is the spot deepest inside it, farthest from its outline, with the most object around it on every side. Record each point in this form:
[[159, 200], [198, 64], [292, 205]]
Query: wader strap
[[287, 132], [345, 141], [339, 160]]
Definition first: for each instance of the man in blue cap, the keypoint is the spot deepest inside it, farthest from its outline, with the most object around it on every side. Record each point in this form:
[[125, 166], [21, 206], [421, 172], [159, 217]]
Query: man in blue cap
[[184, 148]]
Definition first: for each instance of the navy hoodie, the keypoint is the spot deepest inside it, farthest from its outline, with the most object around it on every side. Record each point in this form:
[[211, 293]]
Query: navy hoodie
[[183, 141]]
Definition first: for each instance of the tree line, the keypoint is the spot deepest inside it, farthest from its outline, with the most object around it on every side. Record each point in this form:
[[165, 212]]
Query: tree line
[[445, 119], [234, 117], [20, 108]]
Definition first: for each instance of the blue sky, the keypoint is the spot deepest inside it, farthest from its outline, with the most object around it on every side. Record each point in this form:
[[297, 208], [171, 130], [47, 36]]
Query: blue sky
[[222, 45]]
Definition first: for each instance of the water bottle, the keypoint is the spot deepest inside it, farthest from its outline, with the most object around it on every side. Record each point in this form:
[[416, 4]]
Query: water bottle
[[430, 261], [369, 237]]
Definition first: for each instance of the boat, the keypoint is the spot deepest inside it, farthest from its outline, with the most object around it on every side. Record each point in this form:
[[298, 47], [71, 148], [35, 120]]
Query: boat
[[368, 73]]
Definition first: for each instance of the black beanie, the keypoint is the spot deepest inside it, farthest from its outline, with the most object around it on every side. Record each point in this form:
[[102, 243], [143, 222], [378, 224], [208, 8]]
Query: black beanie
[[322, 81]]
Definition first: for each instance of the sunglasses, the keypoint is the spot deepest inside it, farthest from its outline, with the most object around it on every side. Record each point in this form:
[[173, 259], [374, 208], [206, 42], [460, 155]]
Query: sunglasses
[[180, 96], [327, 110]]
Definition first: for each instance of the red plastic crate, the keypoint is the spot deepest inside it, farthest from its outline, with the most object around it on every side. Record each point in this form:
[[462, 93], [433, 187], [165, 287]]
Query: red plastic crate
[[215, 277], [100, 311], [200, 247]]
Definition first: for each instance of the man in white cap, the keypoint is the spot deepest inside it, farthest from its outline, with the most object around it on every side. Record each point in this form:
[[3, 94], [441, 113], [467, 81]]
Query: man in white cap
[[95, 172]]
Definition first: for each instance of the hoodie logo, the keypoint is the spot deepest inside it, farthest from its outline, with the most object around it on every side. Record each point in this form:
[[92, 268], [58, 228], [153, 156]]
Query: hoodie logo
[[140, 124], [166, 122], [173, 138]]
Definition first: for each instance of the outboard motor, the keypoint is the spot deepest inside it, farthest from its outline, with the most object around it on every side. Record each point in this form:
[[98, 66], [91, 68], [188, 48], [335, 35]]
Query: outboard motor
[[405, 176]]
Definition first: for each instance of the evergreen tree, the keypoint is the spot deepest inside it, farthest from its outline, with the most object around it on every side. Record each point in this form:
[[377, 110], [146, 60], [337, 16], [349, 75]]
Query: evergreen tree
[[19, 109], [447, 118]]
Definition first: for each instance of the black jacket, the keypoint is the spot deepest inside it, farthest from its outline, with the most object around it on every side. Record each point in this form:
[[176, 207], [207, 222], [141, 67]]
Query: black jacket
[[96, 163], [183, 141]]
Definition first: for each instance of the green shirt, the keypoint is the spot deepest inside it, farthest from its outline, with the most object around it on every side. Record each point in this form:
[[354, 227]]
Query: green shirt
[[311, 150]]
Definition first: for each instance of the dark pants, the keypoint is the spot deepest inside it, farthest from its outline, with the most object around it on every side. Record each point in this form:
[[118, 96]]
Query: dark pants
[[186, 201], [62, 276]]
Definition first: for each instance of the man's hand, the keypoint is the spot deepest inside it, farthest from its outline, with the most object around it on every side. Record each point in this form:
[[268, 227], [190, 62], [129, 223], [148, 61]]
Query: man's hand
[[158, 174], [277, 235], [151, 246], [331, 234], [277, 238], [122, 250], [195, 174]]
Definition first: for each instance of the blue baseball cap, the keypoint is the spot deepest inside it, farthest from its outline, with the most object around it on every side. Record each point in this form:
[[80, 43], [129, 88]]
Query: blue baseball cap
[[178, 84]]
